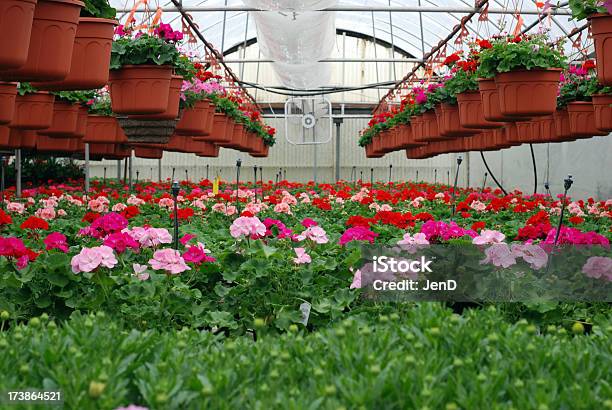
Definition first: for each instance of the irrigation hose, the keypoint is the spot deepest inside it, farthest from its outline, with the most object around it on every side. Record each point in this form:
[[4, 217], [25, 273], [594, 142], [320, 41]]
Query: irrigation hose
[[491, 173], [535, 170]]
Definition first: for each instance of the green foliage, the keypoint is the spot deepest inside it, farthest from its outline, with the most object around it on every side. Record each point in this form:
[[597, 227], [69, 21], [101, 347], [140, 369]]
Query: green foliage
[[519, 53], [99, 9], [75, 97], [25, 88], [462, 81], [146, 49], [582, 9], [410, 356]]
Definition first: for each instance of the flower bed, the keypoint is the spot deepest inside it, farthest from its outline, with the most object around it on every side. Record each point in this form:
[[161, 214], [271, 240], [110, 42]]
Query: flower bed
[[245, 275]]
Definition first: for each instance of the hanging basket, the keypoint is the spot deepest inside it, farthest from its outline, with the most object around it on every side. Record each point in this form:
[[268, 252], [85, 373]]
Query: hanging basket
[[16, 18], [197, 121], [101, 129], [546, 127], [90, 57], [147, 131], [526, 132], [489, 96], [471, 114], [65, 120], [602, 103], [562, 126], [528, 93], [174, 98], [448, 122], [140, 89], [416, 123], [51, 42], [370, 152], [21, 139], [220, 129], [148, 153], [601, 29], [58, 146], [8, 94], [33, 111], [429, 127], [582, 120], [263, 153], [81, 128]]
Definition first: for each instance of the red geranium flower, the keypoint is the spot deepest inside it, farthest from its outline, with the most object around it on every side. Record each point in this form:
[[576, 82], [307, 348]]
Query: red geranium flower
[[477, 226], [451, 59], [34, 222], [576, 220], [5, 219]]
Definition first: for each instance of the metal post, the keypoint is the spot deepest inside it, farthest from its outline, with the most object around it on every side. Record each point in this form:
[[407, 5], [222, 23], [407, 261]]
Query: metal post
[[18, 171], [459, 159], [262, 183], [118, 170], [104, 179], [173, 170], [206, 171], [186, 175], [417, 175], [390, 170], [255, 180], [435, 176], [131, 170], [3, 159], [175, 191], [484, 182], [159, 170], [238, 165], [338, 122], [567, 184], [151, 174], [372, 178], [137, 176], [86, 167]]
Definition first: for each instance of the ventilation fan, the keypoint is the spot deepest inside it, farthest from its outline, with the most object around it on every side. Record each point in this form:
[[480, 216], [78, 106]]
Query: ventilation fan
[[308, 120]]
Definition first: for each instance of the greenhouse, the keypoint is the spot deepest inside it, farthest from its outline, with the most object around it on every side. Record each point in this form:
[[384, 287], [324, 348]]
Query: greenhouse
[[305, 204]]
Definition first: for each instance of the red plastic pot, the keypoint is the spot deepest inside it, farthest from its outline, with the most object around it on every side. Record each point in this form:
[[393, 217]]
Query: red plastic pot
[[16, 18], [8, 93], [140, 89], [81, 128], [582, 120], [263, 153], [562, 127], [18, 139], [65, 120], [174, 98], [528, 93], [601, 29], [220, 129], [471, 114], [60, 146], [209, 150], [150, 153], [33, 111], [90, 57], [448, 121], [602, 103], [197, 121], [547, 130], [370, 152], [51, 43], [429, 127], [101, 129]]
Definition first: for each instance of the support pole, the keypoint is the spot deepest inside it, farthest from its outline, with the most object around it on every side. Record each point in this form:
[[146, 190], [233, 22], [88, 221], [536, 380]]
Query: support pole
[[118, 170], [18, 171], [131, 170], [3, 159], [338, 122], [175, 191], [390, 172], [86, 167], [159, 170]]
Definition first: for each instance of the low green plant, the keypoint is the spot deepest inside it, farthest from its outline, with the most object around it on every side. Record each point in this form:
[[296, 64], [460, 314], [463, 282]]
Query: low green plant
[[582, 9], [98, 9]]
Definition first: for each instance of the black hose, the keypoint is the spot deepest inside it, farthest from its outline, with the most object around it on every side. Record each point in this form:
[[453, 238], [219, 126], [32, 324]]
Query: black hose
[[491, 173], [535, 170]]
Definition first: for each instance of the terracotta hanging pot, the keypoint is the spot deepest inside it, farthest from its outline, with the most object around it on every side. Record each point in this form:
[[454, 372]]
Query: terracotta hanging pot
[[385, 141], [90, 57], [370, 153], [81, 128], [405, 138], [5, 133], [101, 129], [528, 93], [548, 132], [65, 120], [416, 123], [489, 97], [8, 94], [51, 42], [22, 139], [601, 29], [471, 114], [429, 127], [59, 146], [196, 121], [16, 18], [526, 132], [582, 120], [260, 154], [174, 98], [602, 103], [449, 124], [140, 89], [220, 131], [210, 150], [33, 111], [512, 133], [562, 126], [149, 153]]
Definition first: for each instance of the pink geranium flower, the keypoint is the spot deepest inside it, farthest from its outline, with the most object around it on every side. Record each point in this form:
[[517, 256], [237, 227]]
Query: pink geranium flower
[[249, 226], [598, 267], [150, 237], [56, 240], [488, 237], [169, 260], [356, 284], [534, 255], [315, 234], [411, 244], [302, 256], [197, 254], [120, 241], [500, 255], [358, 233], [90, 259]]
